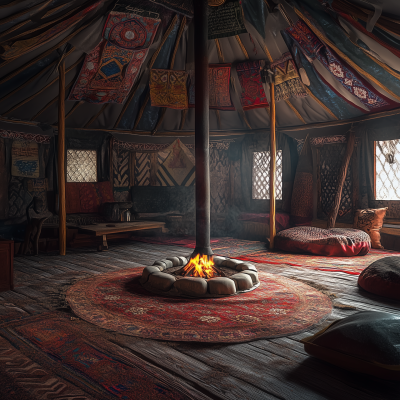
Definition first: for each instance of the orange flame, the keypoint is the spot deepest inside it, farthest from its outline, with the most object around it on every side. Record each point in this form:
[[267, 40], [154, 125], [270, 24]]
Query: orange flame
[[201, 267]]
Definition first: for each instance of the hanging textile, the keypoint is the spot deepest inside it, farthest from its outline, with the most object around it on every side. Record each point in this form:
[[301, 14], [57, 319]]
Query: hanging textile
[[178, 168], [287, 80], [21, 47], [253, 94], [168, 89], [219, 76], [110, 70], [25, 159], [313, 49], [226, 20]]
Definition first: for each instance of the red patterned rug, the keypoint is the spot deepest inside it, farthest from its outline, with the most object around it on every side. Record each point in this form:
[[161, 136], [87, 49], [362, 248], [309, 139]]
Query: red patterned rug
[[51, 357], [279, 307]]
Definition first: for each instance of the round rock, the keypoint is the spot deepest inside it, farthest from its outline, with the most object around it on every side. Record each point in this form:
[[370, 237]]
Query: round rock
[[245, 266], [191, 286], [242, 281], [160, 264], [221, 286], [161, 281], [230, 263], [183, 261], [253, 275], [175, 261], [148, 271], [168, 263], [218, 260]]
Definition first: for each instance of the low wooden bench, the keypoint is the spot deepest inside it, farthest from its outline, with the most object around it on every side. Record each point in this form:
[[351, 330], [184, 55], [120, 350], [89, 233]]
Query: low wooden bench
[[100, 231]]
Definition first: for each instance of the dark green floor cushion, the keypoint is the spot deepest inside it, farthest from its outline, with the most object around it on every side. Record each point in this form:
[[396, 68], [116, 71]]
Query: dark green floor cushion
[[366, 342], [382, 277]]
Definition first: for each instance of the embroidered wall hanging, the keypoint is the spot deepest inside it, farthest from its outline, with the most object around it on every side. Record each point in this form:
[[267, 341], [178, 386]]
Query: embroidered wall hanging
[[219, 76], [24, 46], [168, 89], [253, 94], [226, 20], [287, 80], [25, 159], [178, 169], [313, 49], [110, 70], [25, 136]]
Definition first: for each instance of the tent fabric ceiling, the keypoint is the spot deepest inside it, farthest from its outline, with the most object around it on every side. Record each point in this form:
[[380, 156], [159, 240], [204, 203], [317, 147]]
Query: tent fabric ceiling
[[29, 83]]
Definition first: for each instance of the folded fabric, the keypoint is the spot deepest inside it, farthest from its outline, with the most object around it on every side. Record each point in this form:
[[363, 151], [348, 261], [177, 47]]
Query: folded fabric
[[168, 89], [287, 80], [350, 79], [110, 70], [219, 76], [253, 94]]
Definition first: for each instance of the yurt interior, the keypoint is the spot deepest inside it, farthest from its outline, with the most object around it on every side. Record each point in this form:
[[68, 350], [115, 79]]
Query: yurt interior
[[199, 199]]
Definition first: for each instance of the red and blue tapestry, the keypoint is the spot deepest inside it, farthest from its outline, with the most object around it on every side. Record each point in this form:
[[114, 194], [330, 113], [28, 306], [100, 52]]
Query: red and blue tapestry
[[110, 70], [219, 76], [253, 94], [313, 49]]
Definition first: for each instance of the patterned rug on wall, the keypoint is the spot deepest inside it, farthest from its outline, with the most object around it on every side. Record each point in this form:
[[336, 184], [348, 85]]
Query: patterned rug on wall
[[279, 307], [51, 357]]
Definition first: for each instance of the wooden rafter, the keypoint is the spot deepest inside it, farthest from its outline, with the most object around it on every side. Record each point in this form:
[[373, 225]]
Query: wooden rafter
[[292, 107], [141, 111], [73, 109], [96, 115], [24, 11]]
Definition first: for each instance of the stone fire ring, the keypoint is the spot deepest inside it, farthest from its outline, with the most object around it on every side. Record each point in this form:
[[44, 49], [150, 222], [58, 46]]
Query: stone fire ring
[[155, 280]]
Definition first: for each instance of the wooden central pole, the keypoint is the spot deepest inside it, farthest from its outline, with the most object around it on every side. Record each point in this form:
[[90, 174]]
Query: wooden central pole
[[272, 212], [202, 151], [62, 237]]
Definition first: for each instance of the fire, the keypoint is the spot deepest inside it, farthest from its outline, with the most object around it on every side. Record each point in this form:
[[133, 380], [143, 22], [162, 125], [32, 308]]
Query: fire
[[201, 267]]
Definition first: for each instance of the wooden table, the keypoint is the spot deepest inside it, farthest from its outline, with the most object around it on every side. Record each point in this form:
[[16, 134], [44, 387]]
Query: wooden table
[[102, 230]]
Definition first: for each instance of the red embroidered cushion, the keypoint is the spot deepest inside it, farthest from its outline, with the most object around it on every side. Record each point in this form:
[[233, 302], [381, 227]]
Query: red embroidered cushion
[[105, 191], [89, 198], [72, 198], [338, 242]]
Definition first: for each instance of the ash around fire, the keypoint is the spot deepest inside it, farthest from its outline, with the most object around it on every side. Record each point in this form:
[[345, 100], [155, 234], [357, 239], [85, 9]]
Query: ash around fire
[[174, 271]]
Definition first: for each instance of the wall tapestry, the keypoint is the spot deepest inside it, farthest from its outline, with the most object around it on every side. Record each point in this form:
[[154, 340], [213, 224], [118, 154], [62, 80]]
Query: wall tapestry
[[168, 89], [142, 169], [121, 168], [21, 47], [313, 49], [219, 181], [110, 70], [25, 136], [18, 197], [25, 159], [226, 20], [287, 80], [253, 94], [219, 76], [178, 168], [38, 188]]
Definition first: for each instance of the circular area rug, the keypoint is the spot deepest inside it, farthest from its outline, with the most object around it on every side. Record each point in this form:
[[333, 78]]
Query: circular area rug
[[279, 307]]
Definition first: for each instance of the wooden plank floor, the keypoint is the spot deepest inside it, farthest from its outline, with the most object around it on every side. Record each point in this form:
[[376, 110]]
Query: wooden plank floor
[[262, 369]]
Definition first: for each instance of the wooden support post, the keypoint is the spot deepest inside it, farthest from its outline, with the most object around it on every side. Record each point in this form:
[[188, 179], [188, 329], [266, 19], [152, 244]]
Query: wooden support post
[[351, 140], [61, 160], [272, 212]]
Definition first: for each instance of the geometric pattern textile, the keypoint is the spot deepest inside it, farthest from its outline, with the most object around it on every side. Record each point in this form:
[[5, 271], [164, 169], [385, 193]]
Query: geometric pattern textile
[[44, 139], [253, 94], [168, 89], [226, 20], [110, 70], [219, 181], [387, 170], [371, 221], [81, 165], [18, 197], [261, 168], [219, 76], [25, 159], [279, 307], [79, 357], [121, 167], [142, 169]]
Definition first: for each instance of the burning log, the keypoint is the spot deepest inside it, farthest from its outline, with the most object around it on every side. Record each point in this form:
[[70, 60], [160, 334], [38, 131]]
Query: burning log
[[201, 267]]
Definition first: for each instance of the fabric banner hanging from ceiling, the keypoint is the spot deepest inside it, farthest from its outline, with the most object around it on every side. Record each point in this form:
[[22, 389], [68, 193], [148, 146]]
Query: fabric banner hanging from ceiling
[[219, 76], [253, 94], [21, 47], [178, 168], [168, 89], [287, 80], [25, 159], [226, 20], [110, 70], [313, 49]]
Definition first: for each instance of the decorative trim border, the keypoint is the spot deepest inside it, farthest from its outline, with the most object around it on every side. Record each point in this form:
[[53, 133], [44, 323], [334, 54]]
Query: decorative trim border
[[32, 137], [217, 144]]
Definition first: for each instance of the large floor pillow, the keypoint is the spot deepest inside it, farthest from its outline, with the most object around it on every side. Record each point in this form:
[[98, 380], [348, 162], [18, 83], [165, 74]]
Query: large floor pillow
[[366, 342], [337, 242], [382, 277]]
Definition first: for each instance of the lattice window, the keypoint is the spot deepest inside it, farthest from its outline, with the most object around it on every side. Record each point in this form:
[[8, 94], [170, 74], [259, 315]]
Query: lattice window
[[388, 170], [81, 166], [261, 160]]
